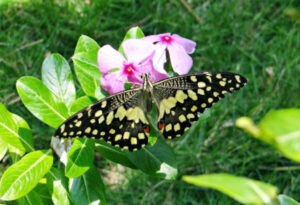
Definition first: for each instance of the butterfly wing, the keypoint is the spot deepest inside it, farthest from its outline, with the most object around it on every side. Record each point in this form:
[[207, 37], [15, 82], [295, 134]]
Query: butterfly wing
[[119, 119], [180, 100]]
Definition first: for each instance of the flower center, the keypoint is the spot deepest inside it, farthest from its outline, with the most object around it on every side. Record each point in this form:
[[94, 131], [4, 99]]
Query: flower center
[[166, 39], [129, 68]]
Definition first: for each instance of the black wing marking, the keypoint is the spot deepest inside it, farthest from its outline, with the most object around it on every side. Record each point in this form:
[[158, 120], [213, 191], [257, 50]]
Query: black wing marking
[[180, 100], [119, 119]]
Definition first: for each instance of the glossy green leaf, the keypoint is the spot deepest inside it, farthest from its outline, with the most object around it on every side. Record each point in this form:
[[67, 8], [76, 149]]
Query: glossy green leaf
[[3, 148], [80, 157], [88, 188], [15, 154], [244, 190], [30, 199], [39, 100], [113, 154], [57, 184], [88, 73], [285, 200], [134, 32], [57, 76], [86, 44], [81, 103], [158, 160], [14, 131], [42, 190], [20, 178], [283, 126]]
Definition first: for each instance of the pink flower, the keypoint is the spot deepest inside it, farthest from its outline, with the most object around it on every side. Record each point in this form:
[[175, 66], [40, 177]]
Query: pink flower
[[178, 48], [139, 55]]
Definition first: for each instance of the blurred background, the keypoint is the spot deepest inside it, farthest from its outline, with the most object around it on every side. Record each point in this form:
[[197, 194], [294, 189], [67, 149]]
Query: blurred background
[[258, 39]]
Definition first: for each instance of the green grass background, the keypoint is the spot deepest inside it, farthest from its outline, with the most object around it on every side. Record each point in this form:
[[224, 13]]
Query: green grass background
[[254, 38]]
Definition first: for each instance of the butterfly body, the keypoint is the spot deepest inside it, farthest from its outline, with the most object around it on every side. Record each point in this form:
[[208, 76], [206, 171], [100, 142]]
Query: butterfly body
[[121, 119]]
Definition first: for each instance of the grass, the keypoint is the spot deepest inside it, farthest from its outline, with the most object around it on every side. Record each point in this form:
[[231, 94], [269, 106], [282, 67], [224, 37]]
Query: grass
[[253, 38]]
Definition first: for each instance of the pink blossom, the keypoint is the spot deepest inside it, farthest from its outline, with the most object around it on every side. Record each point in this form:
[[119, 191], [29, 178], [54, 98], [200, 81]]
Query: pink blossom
[[138, 60], [178, 48]]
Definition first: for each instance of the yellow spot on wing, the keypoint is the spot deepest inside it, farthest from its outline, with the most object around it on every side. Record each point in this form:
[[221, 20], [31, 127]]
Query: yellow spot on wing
[[190, 116], [102, 133], [210, 100], [200, 92], [203, 105], [216, 94], [78, 124], [166, 105], [92, 121], [79, 115], [88, 130], [238, 78], [219, 76], [118, 137], [126, 135], [121, 112], [112, 131], [103, 104], [201, 84], [193, 78], [136, 114], [141, 136], [180, 96], [95, 132], [194, 108], [109, 117], [182, 118], [222, 83], [168, 127], [176, 127], [101, 119], [192, 95], [133, 141], [98, 113], [62, 128]]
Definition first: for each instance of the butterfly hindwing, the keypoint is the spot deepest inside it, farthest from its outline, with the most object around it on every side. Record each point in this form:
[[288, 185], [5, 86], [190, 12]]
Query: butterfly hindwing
[[118, 119], [180, 100]]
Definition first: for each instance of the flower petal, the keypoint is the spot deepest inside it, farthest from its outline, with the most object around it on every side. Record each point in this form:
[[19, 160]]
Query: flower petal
[[155, 75], [160, 58], [155, 38], [113, 82], [137, 50], [187, 44], [109, 58], [180, 60]]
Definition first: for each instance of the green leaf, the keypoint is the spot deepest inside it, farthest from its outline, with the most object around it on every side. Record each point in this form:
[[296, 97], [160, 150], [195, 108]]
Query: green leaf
[[30, 199], [57, 76], [88, 74], [86, 44], [283, 126], [14, 131], [81, 103], [113, 154], [38, 99], [42, 190], [57, 184], [244, 190], [80, 157], [15, 153], [134, 32], [285, 200], [88, 188], [3, 148], [20, 178], [158, 160]]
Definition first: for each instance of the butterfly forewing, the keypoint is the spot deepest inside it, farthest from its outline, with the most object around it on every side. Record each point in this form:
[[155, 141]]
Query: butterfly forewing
[[180, 100], [119, 119]]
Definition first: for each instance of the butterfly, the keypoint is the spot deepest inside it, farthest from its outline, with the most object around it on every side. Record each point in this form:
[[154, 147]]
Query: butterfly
[[121, 119]]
